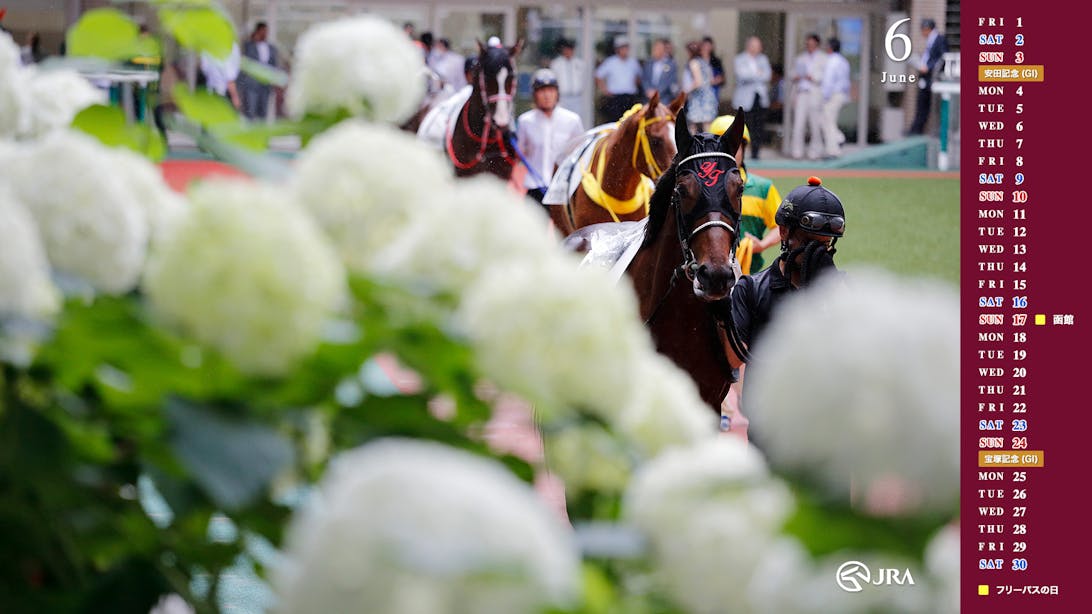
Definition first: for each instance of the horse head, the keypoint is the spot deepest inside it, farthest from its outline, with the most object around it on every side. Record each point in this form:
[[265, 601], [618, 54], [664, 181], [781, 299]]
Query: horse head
[[495, 82], [704, 188], [652, 133]]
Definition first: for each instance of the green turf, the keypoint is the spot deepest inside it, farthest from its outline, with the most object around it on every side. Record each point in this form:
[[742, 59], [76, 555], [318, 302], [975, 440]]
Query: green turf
[[907, 226]]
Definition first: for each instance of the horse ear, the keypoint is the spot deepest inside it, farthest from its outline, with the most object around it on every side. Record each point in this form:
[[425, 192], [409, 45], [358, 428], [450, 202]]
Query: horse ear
[[481, 47], [733, 137], [677, 104], [650, 108], [514, 51], [682, 133]]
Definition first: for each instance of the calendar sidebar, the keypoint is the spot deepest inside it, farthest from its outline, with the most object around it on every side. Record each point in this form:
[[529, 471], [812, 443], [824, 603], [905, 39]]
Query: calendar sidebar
[[1025, 321]]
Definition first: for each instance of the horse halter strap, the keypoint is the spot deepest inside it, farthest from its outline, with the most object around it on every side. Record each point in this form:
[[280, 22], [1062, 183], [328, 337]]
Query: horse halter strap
[[712, 176], [641, 144], [484, 139], [593, 183]]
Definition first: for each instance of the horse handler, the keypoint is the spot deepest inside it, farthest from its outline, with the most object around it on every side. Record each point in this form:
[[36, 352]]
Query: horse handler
[[544, 133], [811, 219]]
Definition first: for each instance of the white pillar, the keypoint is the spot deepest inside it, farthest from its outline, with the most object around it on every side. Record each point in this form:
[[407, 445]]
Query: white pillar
[[788, 110], [864, 90]]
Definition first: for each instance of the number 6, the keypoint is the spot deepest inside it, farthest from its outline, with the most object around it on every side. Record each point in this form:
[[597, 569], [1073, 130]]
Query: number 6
[[892, 36]]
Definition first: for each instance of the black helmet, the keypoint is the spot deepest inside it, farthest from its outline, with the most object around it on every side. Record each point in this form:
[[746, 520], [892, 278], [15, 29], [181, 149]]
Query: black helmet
[[543, 77], [814, 209]]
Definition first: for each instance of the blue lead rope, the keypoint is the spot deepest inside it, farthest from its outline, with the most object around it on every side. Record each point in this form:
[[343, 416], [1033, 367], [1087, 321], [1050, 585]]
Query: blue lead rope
[[534, 174]]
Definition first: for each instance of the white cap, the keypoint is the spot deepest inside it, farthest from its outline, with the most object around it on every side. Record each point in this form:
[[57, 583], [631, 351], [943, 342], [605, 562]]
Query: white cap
[[621, 41], [494, 42]]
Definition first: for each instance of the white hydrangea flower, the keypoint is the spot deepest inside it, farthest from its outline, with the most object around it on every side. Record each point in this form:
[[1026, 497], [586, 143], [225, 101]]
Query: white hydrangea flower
[[860, 383], [447, 247], [587, 457], [414, 527], [942, 563], [14, 92], [710, 512], [89, 217], [57, 96], [162, 205], [248, 273], [555, 334], [25, 286], [360, 65], [665, 408], [362, 182]]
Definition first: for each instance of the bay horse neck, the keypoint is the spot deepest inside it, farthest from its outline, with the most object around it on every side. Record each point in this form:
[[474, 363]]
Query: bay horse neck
[[620, 176]]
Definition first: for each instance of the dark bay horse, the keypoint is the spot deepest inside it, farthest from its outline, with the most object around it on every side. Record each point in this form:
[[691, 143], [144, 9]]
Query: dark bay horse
[[685, 268], [478, 142], [617, 182]]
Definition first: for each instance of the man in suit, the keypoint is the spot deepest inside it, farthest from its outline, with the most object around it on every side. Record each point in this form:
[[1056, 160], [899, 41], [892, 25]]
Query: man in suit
[[752, 93], [929, 64], [254, 94], [660, 72]]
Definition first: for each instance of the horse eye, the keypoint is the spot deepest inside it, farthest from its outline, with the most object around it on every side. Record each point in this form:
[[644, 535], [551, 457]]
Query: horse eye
[[656, 141]]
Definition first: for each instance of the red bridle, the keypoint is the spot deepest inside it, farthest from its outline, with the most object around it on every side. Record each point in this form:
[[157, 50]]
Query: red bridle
[[485, 140]]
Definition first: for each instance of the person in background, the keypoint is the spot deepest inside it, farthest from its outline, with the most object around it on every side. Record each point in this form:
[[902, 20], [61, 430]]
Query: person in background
[[447, 64], [835, 91], [255, 94], [709, 52], [806, 75], [697, 82], [221, 75], [660, 73], [572, 76], [757, 225], [928, 65], [545, 132], [753, 74], [31, 52], [619, 79]]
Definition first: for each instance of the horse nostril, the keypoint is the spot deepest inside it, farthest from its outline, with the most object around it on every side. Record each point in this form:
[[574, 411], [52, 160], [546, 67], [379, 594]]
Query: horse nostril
[[714, 280]]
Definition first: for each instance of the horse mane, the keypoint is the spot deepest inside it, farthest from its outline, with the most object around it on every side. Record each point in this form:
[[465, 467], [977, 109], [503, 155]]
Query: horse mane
[[659, 203]]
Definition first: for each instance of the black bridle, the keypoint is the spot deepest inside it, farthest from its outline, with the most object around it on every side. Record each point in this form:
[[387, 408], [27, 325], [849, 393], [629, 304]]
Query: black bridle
[[709, 176]]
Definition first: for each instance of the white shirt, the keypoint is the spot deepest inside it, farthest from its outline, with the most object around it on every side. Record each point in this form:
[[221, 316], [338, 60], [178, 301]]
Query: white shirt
[[571, 75], [803, 67], [263, 52], [544, 140], [620, 75], [449, 65], [928, 45], [835, 76], [218, 73]]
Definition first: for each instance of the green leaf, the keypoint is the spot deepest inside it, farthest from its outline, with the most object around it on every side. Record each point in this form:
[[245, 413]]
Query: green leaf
[[827, 526], [105, 33], [232, 459], [263, 73], [204, 107], [202, 29], [108, 125]]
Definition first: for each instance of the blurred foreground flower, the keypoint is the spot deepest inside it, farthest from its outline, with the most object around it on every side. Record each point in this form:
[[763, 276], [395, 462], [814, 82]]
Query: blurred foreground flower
[[92, 221], [665, 409], [34, 102], [25, 286], [478, 223], [858, 382], [559, 336], [14, 93], [362, 182], [248, 273], [942, 563], [710, 512], [410, 527], [359, 66], [56, 97]]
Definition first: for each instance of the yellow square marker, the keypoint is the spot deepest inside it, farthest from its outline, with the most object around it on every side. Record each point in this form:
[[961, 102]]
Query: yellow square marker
[[983, 589], [1040, 319]]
